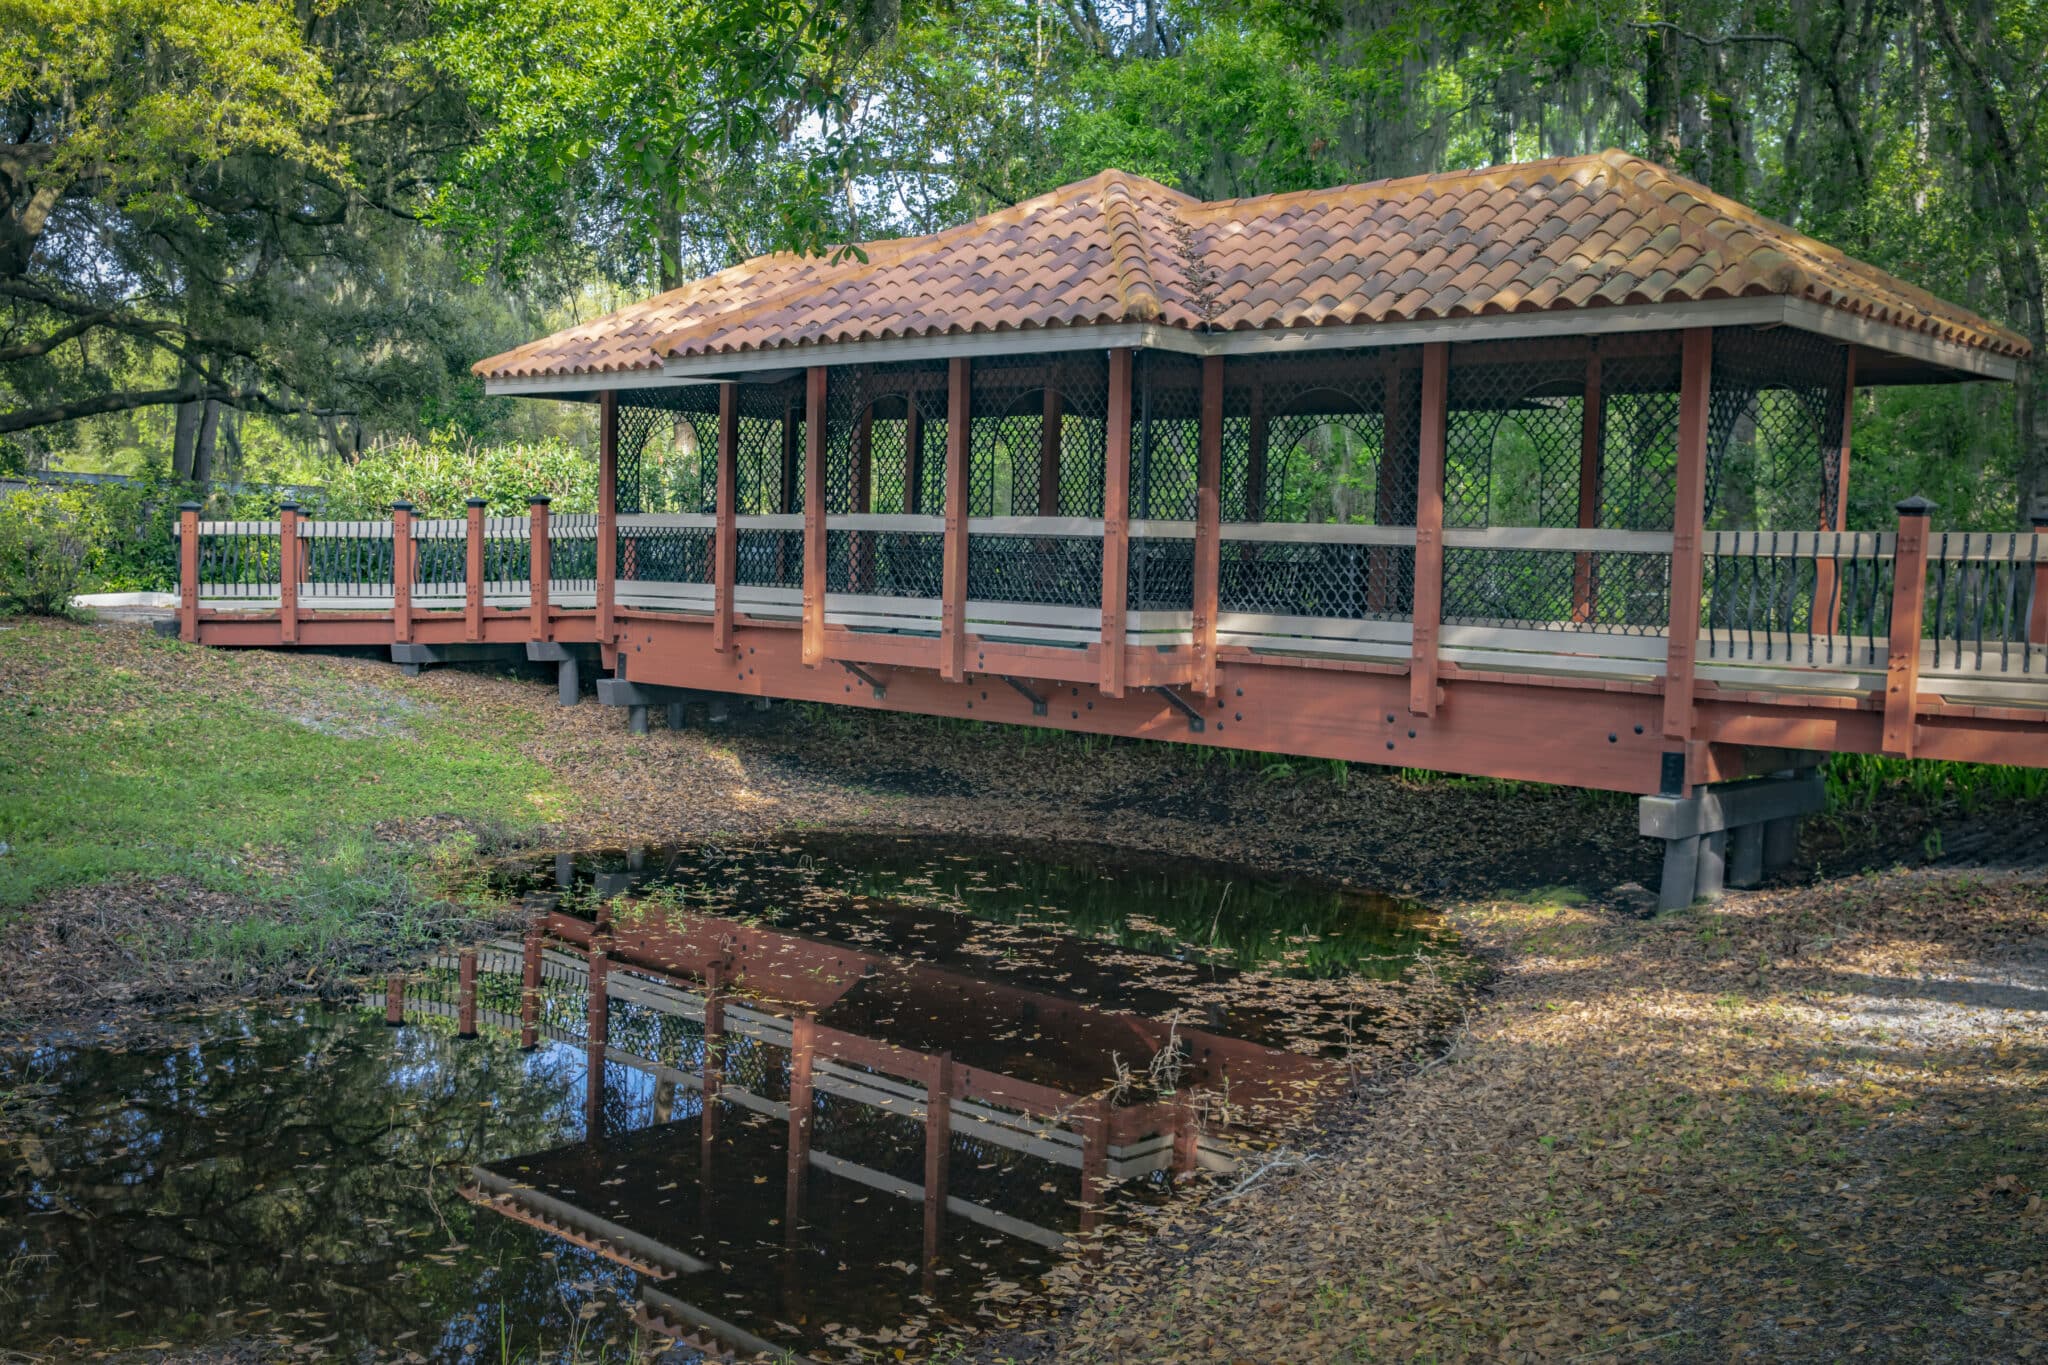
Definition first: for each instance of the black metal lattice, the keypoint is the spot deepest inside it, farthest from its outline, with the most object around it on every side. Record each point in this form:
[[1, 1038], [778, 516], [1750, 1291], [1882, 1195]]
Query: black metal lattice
[[1031, 410], [885, 563], [668, 449], [1061, 571], [1775, 421]]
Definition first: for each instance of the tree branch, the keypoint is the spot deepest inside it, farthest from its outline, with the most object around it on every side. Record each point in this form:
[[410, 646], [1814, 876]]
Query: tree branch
[[242, 399]]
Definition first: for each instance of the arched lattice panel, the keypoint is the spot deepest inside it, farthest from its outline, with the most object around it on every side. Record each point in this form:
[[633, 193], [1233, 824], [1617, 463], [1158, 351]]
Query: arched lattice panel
[[1638, 473], [1777, 407], [668, 449], [1166, 437], [768, 469], [1512, 436]]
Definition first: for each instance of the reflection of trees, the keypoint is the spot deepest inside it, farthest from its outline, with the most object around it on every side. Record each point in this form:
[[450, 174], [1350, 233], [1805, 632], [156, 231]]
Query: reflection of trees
[[298, 1165]]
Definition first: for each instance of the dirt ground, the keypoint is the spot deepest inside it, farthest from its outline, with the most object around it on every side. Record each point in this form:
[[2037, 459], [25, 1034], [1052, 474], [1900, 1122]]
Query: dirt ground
[[1806, 1123]]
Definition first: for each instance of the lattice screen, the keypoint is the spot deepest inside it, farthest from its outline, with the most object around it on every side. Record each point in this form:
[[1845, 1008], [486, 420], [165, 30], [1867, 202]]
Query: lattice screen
[[668, 449], [1776, 419], [1019, 465]]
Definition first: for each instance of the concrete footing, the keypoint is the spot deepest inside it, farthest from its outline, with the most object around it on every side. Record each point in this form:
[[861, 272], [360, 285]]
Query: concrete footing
[[1731, 835], [674, 701], [568, 668]]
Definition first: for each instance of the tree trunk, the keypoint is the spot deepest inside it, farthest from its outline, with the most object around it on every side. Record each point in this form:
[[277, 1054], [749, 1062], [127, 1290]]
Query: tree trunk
[[185, 439], [203, 443]]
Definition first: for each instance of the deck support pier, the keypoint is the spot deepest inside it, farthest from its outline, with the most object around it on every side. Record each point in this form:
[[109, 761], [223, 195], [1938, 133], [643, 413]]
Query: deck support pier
[[568, 677], [1731, 834]]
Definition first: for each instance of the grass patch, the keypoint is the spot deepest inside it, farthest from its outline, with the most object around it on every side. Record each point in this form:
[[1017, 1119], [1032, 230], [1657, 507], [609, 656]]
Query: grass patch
[[133, 756]]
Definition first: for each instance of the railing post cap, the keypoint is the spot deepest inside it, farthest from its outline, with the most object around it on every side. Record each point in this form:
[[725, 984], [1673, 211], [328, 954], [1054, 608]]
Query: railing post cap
[[2040, 519], [288, 506], [401, 506], [476, 502], [188, 507], [1915, 506], [539, 500]]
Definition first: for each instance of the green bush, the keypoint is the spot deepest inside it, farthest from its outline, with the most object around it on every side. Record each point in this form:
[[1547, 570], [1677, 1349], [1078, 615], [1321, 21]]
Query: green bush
[[44, 548], [437, 474]]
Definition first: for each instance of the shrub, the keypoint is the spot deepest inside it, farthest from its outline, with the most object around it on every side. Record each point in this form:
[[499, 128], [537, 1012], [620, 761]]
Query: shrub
[[44, 549], [437, 474]]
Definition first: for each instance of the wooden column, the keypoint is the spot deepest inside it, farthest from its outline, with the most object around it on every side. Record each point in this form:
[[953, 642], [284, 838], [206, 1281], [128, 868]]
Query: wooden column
[[938, 1150], [473, 571], [1909, 605], [1116, 521], [725, 545], [803, 1043], [188, 572], [1094, 1165], [529, 990], [1049, 454], [714, 1061], [288, 571], [598, 1013], [1827, 605], [1592, 440], [1208, 524], [953, 578], [913, 455], [404, 556], [539, 564], [465, 998], [1427, 617], [2037, 618], [394, 999], [607, 513], [1688, 527], [814, 516], [791, 459]]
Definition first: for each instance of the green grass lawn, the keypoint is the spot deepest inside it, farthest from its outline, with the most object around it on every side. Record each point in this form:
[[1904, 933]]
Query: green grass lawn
[[126, 755]]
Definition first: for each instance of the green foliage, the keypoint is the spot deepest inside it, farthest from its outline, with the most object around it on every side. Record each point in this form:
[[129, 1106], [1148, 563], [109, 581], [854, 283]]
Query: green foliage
[[438, 474], [1856, 783], [43, 548]]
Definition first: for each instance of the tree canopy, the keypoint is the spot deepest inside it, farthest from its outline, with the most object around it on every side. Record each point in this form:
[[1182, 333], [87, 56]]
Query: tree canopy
[[318, 214]]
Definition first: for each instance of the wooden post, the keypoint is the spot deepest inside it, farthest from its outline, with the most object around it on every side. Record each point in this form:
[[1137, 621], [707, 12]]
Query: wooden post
[[1094, 1163], [1688, 527], [529, 990], [593, 1092], [913, 455], [1827, 605], [1116, 521], [394, 999], [714, 1059], [1187, 1138], [404, 557], [1399, 416], [953, 576], [1427, 618], [607, 514], [814, 516], [726, 537], [1049, 454], [1592, 440], [540, 565], [188, 572], [790, 460], [288, 571], [598, 1015], [938, 1149], [2037, 623], [465, 999], [1208, 524], [1909, 605], [473, 571], [803, 1040]]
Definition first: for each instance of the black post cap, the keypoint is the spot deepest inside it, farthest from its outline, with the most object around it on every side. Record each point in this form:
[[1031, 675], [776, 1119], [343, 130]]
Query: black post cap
[[401, 506], [476, 502], [2040, 519], [539, 500], [288, 506], [1915, 506], [188, 507]]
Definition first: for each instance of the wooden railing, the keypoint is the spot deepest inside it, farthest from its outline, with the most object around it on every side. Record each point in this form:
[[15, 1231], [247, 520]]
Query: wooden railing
[[1822, 612]]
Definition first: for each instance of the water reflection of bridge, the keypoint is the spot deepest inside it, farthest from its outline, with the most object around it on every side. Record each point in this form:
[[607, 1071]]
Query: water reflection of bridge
[[739, 1063]]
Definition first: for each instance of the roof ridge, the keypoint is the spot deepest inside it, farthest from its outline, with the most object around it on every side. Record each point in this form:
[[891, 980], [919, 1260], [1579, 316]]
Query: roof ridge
[[1130, 250], [1791, 276]]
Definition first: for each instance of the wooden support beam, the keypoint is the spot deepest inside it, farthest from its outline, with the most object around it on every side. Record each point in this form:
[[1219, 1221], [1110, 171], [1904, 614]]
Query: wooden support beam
[[598, 1016], [1834, 513], [938, 1150], [1094, 1122], [473, 570], [1688, 528], [288, 555], [465, 997], [714, 1059], [1116, 522], [953, 576], [1909, 605], [726, 536], [188, 572], [607, 515], [394, 999], [1049, 453], [1592, 441], [803, 1043], [404, 561], [529, 990], [1208, 524], [540, 565], [1427, 619], [814, 515]]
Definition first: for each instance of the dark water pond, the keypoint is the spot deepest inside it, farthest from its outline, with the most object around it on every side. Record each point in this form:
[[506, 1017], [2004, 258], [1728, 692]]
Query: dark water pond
[[933, 1072]]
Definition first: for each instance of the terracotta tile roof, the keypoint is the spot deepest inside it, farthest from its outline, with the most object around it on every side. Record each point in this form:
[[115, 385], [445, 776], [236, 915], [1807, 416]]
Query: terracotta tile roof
[[1579, 232]]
